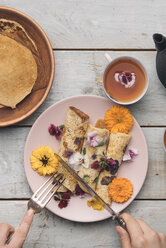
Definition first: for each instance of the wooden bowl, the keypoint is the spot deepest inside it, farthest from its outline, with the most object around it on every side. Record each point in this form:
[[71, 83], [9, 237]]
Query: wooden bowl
[[46, 69]]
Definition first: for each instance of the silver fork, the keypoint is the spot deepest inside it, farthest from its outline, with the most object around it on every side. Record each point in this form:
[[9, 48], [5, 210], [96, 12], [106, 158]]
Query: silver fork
[[44, 194]]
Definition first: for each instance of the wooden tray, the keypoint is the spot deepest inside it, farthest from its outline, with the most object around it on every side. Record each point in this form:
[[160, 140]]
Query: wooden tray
[[46, 69]]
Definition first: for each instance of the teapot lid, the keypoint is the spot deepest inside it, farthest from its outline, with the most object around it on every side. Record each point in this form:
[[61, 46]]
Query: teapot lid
[[160, 41]]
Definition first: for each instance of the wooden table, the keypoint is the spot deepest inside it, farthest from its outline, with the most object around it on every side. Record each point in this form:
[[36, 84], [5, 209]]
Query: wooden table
[[80, 33]]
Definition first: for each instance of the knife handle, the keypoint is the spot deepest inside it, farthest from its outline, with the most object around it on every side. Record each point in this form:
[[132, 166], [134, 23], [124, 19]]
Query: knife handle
[[121, 222]]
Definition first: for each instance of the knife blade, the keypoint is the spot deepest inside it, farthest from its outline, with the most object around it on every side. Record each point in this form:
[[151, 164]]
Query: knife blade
[[114, 215]]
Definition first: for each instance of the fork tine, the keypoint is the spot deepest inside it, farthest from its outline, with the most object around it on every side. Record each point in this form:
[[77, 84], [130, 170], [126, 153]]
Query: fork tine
[[50, 190], [44, 194], [59, 185], [37, 191], [37, 197], [45, 203]]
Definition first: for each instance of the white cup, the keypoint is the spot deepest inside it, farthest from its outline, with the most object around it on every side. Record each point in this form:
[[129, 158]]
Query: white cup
[[111, 62]]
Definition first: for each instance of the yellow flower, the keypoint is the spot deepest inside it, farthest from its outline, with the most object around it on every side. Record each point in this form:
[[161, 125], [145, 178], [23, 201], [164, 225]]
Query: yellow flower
[[120, 189], [44, 161], [118, 119], [96, 204]]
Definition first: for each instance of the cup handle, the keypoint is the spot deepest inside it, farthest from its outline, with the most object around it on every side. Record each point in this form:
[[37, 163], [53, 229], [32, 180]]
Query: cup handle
[[108, 57]]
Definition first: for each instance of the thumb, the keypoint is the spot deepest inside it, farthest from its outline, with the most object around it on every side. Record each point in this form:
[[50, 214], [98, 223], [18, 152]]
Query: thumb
[[21, 232], [124, 237]]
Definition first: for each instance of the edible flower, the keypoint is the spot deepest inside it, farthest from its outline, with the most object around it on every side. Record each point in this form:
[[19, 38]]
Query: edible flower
[[56, 131], [93, 139], [94, 156], [107, 164], [133, 152], [44, 161], [63, 199], [125, 78], [79, 191], [76, 160], [120, 190], [96, 204], [86, 178], [77, 140], [107, 180], [130, 154], [96, 165], [118, 119]]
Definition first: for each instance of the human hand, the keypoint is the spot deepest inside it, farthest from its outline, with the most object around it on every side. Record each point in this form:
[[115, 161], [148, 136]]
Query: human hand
[[17, 235], [140, 234]]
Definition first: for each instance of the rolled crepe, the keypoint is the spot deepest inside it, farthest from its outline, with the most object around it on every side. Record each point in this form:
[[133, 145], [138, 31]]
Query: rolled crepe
[[94, 153], [116, 148], [76, 124]]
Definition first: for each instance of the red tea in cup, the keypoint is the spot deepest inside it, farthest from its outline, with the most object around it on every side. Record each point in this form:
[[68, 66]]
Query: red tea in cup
[[125, 80]]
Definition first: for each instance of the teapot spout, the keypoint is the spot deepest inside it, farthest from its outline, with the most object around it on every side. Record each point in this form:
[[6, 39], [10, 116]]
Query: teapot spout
[[160, 41]]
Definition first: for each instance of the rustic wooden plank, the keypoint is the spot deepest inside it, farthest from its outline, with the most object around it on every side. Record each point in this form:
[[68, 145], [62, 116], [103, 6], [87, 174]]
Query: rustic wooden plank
[[49, 230], [155, 182], [97, 24], [79, 73], [13, 183]]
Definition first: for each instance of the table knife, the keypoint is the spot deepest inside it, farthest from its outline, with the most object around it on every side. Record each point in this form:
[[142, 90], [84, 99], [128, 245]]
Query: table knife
[[115, 216]]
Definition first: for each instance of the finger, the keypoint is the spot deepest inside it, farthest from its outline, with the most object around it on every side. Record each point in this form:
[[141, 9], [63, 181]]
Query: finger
[[145, 227], [124, 237], [22, 231], [133, 227], [162, 238], [6, 230], [152, 237]]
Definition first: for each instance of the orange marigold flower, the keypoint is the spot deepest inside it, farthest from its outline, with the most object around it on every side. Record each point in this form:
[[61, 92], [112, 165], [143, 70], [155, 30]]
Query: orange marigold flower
[[118, 119], [120, 189]]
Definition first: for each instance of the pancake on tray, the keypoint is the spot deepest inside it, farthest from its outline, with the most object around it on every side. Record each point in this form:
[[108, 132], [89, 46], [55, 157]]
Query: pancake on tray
[[16, 31], [18, 71]]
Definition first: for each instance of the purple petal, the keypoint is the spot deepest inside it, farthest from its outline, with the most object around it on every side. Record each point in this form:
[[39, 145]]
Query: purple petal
[[79, 191], [124, 79], [55, 131], [94, 156], [77, 140]]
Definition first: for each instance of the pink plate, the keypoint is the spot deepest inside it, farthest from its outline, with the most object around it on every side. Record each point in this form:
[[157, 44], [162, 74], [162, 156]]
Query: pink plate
[[95, 107]]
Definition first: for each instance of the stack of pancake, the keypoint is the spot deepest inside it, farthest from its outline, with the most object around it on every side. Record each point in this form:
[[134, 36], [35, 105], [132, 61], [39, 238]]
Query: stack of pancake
[[18, 68], [77, 126]]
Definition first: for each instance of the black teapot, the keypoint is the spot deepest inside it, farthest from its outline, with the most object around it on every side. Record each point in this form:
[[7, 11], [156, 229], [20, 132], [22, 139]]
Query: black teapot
[[160, 43]]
